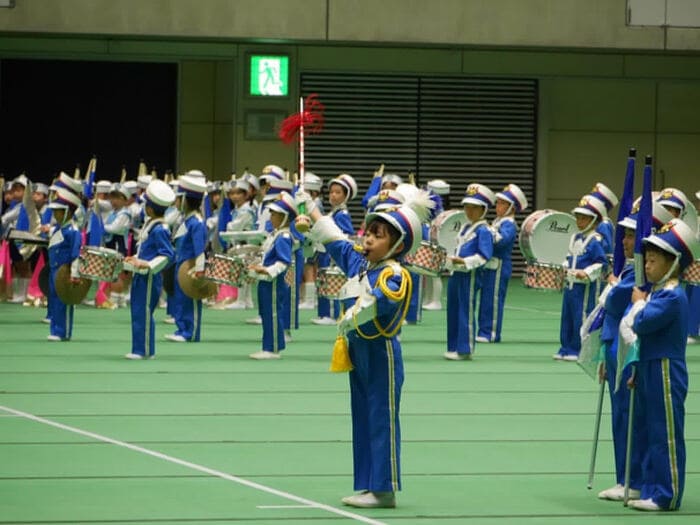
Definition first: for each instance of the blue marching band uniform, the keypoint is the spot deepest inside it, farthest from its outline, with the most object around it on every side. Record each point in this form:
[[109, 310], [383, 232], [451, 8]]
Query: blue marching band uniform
[[585, 253], [64, 248], [496, 273], [662, 322], [156, 251]]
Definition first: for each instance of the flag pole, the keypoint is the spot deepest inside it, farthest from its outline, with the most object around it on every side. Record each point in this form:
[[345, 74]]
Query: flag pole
[[596, 432]]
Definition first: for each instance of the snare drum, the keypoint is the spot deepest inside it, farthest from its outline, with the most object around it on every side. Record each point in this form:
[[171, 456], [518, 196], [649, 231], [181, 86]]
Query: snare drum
[[445, 229], [329, 281], [545, 236], [100, 264], [691, 274], [225, 269], [542, 276], [428, 260]]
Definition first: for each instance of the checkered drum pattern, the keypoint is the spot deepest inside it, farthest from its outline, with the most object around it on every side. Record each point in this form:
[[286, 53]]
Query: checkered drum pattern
[[429, 259], [329, 282], [100, 264], [225, 270], [544, 277]]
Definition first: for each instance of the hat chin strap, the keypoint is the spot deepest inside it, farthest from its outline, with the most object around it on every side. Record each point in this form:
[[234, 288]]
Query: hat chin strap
[[590, 225], [670, 271], [393, 248]]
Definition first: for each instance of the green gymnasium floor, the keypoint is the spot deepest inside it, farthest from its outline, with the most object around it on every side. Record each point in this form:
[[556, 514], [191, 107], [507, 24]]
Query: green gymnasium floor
[[202, 434]]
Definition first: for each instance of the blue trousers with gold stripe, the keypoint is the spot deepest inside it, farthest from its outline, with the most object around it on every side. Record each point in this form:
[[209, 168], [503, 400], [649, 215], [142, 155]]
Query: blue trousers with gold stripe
[[187, 313], [461, 316], [494, 285], [145, 293], [273, 307], [60, 314], [662, 386], [619, 416], [375, 395]]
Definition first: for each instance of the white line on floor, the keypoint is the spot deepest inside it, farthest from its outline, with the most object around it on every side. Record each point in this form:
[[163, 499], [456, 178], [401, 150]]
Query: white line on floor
[[193, 466]]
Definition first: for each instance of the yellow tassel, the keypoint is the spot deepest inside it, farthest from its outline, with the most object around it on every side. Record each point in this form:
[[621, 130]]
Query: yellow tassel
[[340, 361]]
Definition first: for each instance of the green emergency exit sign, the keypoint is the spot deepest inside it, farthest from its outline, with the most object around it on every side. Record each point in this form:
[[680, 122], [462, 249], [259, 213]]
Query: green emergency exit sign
[[269, 75]]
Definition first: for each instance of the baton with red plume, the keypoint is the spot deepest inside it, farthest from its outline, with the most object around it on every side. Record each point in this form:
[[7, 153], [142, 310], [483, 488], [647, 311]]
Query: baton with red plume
[[308, 120]]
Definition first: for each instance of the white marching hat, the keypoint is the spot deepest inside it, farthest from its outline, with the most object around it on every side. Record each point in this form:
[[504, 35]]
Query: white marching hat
[[103, 186], [601, 192], [192, 186], [64, 199], [312, 182], [121, 189], [480, 195], [347, 182], [66, 181], [439, 186], [513, 194], [591, 206], [391, 178], [142, 181], [159, 194]]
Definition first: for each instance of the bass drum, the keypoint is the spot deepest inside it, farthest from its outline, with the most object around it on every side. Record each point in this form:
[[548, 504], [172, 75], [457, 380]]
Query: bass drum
[[445, 229], [545, 236]]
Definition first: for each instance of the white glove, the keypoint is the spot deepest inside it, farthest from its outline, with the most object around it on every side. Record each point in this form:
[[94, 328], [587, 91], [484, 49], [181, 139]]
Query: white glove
[[626, 331], [303, 198]]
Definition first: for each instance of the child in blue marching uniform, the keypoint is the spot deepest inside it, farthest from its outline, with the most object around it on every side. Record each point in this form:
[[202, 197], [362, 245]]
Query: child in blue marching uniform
[[496, 273], [658, 320], [676, 202], [616, 300], [584, 266], [277, 257], [372, 326], [154, 253], [341, 190], [474, 248], [190, 241], [64, 248]]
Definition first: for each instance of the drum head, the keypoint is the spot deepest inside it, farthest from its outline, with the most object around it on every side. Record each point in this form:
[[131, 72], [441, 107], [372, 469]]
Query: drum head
[[67, 291], [545, 236], [445, 229], [192, 287]]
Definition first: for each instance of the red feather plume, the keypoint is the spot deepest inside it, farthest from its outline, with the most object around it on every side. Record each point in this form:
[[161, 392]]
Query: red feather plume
[[311, 118]]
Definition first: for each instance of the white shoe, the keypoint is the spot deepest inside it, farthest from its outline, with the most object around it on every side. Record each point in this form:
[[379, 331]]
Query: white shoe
[[307, 305], [262, 354], [249, 305], [570, 357], [133, 356], [558, 357], [456, 356], [46, 320], [692, 340], [287, 338], [323, 321], [17, 300], [434, 305], [236, 305], [617, 493], [175, 338], [169, 320], [482, 339], [88, 302], [643, 504], [254, 320], [371, 500], [54, 338]]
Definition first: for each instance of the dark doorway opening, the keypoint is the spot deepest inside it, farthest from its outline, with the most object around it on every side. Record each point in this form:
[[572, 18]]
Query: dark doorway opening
[[55, 114]]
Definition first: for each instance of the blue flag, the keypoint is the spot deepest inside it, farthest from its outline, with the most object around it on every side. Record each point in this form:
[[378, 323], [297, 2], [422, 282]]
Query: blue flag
[[644, 222], [623, 211], [95, 229]]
